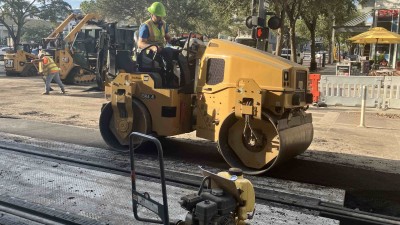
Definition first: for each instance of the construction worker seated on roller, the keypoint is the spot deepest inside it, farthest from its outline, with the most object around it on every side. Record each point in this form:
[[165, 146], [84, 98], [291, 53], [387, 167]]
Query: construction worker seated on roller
[[153, 37], [50, 71]]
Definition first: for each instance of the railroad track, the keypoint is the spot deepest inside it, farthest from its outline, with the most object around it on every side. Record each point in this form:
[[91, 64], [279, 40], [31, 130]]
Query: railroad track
[[192, 181]]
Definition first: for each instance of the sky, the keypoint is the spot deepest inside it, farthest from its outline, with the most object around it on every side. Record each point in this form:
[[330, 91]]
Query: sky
[[74, 3]]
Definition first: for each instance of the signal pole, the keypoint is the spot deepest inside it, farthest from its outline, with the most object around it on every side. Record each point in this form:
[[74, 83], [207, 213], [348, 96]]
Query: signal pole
[[261, 14], [258, 24]]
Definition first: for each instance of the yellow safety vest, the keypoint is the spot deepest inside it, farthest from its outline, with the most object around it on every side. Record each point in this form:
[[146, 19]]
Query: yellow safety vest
[[156, 35], [50, 66]]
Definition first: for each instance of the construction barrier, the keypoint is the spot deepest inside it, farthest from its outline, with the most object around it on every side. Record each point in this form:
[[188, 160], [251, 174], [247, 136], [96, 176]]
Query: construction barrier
[[382, 92], [391, 92], [314, 78]]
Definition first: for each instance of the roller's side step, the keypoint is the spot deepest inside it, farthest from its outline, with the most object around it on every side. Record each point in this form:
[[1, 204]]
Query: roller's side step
[[41, 214]]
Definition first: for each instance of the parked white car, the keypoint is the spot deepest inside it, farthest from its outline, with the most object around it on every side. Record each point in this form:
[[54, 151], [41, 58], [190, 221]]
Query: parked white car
[[286, 53], [3, 51]]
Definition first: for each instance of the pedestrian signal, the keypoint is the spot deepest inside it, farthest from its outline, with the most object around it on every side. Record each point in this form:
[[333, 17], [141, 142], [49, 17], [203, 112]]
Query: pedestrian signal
[[260, 33]]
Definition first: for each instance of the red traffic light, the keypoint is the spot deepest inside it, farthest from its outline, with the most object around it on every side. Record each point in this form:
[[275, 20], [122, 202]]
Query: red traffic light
[[260, 33]]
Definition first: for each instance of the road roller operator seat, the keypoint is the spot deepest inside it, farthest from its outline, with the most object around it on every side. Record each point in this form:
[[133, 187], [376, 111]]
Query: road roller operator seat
[[144, 63]]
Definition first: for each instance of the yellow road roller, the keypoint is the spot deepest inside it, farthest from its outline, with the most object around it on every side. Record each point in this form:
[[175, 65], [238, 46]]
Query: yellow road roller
[[251, 103]]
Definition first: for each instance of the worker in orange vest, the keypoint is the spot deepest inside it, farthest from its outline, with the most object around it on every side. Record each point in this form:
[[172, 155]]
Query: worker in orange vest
[[50, 71]]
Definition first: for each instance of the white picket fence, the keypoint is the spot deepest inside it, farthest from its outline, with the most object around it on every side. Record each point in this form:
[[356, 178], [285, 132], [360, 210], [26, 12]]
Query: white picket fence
[[382, 92]]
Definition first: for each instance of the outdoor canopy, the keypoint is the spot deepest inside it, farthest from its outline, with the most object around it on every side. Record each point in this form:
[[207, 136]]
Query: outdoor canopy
[[376, 35]]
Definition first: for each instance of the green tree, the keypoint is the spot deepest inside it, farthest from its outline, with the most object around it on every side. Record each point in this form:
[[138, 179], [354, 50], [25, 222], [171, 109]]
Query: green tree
[[278, 7], [292, 10], [123, 10], [34, 31], [182, 16], [314, 11], [89, 7], [18, 12]]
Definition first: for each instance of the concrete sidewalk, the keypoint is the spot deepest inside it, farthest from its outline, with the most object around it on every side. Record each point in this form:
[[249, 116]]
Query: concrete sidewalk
[[338, 138], [329, 69]]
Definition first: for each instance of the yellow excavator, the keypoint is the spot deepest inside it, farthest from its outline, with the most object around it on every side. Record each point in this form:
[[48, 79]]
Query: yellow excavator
[[18, 63], [251, 103], [70, 54]]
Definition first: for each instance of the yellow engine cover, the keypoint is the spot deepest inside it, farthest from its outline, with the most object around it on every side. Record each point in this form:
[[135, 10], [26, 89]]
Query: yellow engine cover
[[240, 79], [247, 194]]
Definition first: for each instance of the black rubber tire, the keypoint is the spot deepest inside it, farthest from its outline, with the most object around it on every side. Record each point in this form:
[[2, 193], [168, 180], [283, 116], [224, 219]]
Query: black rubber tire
[[33, 71], [9, 74], [107, 115], [101, 71], [29, 70], [100, 82], [70, 79]]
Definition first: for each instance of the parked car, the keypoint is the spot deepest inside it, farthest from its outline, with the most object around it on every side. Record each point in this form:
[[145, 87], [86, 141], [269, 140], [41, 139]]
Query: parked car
[[307, 56], [3, 51], [286, 53]]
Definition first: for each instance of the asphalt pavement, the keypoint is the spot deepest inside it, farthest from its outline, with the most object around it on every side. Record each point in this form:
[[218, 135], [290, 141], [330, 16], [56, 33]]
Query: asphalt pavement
[[343, 155]]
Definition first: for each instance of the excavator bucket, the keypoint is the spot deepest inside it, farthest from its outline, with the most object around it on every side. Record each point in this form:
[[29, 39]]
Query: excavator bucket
[[267, 144]]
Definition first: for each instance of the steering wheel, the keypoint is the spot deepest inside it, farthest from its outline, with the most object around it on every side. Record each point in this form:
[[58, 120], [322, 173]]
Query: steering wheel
[[140, 56], [177, 42]]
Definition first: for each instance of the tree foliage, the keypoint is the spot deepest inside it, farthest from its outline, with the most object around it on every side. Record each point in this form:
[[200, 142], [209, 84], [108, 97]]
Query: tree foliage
[[293, 10], [89, 6], [212, 17], [278, 6], [34, 31], [123, 10], [203, 16], [314, 13], [15, 13]]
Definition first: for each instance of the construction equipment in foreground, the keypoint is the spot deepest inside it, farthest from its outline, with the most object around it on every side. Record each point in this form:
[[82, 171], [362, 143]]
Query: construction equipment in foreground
[[18, 63], [252, 103], [226, 198]]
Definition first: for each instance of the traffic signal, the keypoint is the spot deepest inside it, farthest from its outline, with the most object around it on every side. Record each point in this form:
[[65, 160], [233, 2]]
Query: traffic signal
[[260, 32]]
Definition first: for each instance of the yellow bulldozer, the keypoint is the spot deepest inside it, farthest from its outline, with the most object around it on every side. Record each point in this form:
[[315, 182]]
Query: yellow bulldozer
[[251, 103], [18, 63], [71, 53]]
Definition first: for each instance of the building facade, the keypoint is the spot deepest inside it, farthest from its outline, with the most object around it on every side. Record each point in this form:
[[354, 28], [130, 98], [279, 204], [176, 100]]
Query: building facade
[[386, 15]]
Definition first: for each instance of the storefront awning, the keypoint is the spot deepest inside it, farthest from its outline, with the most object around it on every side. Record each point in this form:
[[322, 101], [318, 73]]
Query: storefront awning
[[355, 25]]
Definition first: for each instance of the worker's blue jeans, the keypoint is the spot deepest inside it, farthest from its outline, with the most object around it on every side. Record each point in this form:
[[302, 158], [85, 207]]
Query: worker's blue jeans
[[56, 77]]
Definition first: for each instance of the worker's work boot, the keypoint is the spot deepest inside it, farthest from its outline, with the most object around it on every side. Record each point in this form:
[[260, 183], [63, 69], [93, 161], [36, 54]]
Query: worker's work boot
[[45, 93]]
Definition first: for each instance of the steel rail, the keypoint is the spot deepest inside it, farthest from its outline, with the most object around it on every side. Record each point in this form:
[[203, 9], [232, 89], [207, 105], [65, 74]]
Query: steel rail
[[325, 209]]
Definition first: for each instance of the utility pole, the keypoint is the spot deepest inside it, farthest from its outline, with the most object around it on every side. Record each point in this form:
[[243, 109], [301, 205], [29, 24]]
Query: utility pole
[[258, 24], [333, 42]]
